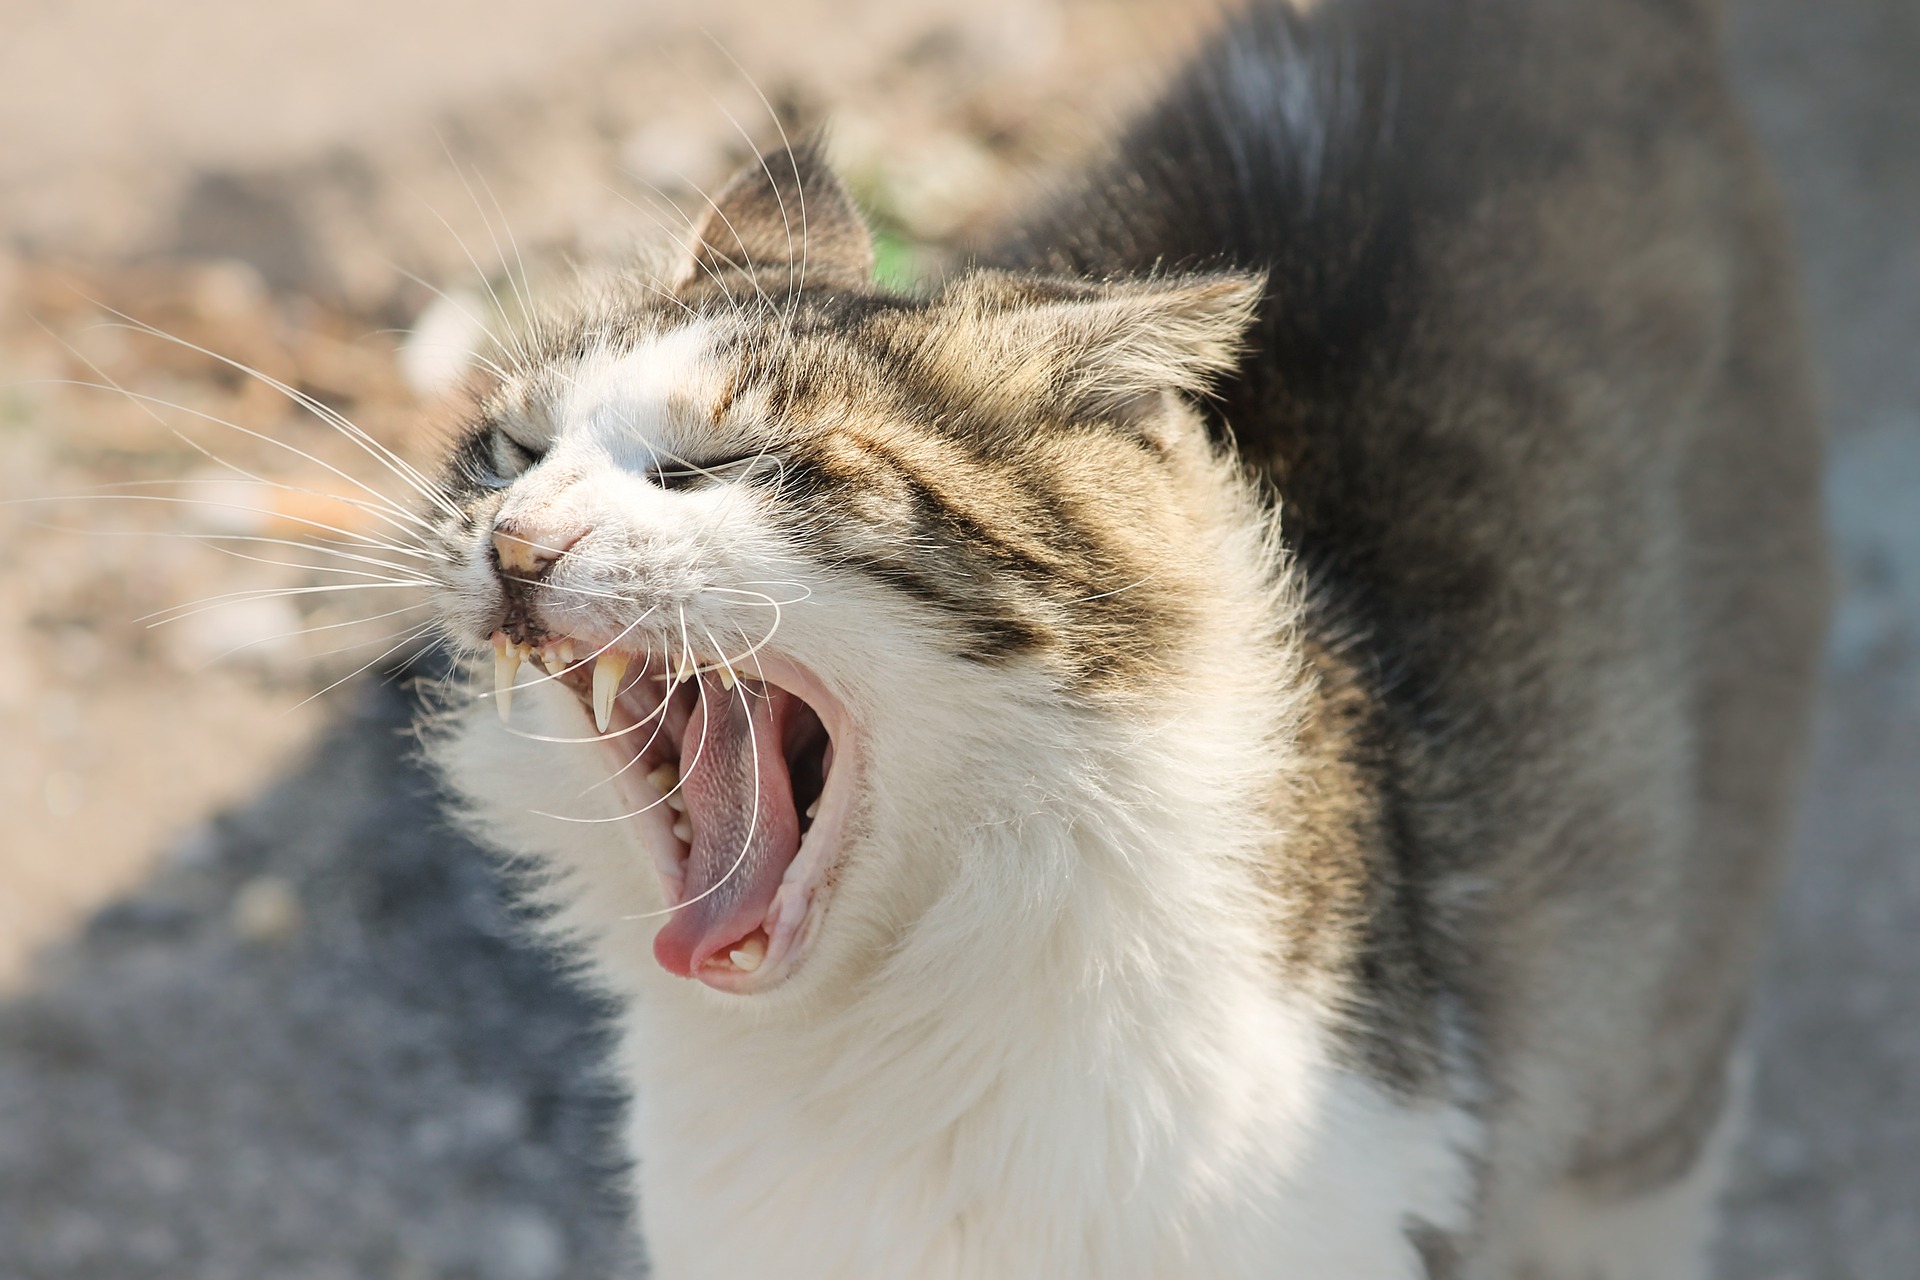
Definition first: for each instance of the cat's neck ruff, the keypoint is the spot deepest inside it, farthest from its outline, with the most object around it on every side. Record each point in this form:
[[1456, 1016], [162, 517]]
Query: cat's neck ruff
[[1083, 1059]]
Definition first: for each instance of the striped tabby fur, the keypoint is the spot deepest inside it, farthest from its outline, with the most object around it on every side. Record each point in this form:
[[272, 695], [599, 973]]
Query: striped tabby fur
[[1311, 642]]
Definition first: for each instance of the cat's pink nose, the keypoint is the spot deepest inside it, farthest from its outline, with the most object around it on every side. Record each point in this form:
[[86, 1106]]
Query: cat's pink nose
[[529, 553]]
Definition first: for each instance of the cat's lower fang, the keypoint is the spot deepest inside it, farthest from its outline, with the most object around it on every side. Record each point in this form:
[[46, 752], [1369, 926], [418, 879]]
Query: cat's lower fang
[[747, 956]]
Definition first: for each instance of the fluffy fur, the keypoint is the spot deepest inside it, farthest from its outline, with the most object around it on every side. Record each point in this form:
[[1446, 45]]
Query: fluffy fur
[[1321, 831]]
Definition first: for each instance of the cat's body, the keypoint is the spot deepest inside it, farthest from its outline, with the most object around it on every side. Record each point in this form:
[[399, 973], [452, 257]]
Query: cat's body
[[1373, 897]]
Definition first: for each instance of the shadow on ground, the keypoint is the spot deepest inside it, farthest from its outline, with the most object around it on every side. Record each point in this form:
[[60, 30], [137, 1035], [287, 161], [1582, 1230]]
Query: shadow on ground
[[318, 1045]]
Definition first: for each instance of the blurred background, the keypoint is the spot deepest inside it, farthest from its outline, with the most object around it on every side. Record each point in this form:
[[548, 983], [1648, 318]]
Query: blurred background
[[261, 1014]]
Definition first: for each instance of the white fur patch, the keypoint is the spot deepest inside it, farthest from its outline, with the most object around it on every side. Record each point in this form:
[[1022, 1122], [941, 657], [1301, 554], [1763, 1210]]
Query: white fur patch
[[634, 405]]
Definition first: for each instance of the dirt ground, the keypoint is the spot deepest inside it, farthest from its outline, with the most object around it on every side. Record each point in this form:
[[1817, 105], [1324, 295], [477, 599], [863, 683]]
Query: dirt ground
[[260, 1013]]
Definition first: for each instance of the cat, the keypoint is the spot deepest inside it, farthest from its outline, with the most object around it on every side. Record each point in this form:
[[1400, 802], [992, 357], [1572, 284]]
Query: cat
[[1248, 731]]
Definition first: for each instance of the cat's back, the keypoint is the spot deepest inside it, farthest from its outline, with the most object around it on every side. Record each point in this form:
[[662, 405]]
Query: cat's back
[[1529, 386]]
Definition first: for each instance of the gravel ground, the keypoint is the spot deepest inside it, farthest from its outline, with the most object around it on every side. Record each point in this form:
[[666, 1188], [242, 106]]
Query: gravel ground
[[1831, 1188], [314, 1044]]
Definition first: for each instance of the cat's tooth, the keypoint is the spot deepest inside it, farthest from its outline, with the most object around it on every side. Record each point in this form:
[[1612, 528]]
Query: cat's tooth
[[664, 780], [609, 669], [813, 810], [506, 666], [747, 956], [684, 830], [550, 659], [726, 677], [566, 652]]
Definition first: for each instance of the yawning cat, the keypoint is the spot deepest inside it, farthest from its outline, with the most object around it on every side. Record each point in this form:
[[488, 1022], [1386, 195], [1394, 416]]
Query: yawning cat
[[1246, 734]]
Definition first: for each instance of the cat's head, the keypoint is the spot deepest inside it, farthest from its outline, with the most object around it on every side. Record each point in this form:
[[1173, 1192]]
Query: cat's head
[[835, 573]]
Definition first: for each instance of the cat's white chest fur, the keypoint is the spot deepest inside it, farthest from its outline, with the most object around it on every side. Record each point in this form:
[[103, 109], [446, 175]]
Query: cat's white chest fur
[[1089, 1075], [1252, 1157]]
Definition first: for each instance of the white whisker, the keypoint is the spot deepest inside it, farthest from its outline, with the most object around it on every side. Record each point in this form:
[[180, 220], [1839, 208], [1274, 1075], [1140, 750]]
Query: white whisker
[[392, 461], [416, 634], [382, 506], [179, 612], [330, 626]]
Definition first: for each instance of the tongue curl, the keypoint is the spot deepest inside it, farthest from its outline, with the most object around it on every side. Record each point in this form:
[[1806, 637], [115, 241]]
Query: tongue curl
[[746, 832]]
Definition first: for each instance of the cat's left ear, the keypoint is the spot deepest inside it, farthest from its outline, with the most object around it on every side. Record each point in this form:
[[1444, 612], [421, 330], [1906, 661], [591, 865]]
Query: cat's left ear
[[785, 214], [1085, 347]]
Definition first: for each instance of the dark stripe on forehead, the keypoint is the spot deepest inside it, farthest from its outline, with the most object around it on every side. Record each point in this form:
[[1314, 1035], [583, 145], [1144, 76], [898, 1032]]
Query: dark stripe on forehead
[[932, 552], [1082, 605]]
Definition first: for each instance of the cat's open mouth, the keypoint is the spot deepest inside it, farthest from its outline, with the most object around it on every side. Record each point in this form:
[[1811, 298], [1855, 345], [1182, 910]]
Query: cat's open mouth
[[730, 779]]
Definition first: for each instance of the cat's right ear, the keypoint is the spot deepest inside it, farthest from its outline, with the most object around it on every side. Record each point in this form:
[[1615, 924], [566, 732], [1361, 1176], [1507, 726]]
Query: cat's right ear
[[786, 214], [1021, 342]]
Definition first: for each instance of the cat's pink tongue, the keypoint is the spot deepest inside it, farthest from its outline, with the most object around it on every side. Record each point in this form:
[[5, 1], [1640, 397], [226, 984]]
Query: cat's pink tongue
[[730, 754]]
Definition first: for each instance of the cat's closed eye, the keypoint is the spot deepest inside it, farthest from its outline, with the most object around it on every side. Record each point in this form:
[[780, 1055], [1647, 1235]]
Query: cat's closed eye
[[685, 473], [505, 458]]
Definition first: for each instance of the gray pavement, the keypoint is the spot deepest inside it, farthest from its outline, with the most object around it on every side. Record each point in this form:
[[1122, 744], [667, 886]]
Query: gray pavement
[[1831, 1186]]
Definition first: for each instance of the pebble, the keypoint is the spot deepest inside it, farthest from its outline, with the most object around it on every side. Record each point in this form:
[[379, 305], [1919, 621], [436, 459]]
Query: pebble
[[266, 911], [443, 343], [522, 1243]]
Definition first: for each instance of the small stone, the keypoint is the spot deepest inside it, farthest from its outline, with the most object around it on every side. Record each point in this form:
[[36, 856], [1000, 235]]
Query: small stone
[[492, 1117], [196, 847], [262, 634], [65, 793], [151, 1245], [523, 1244], [266, 911], [228, 289], [76, 1238], [443, 343]]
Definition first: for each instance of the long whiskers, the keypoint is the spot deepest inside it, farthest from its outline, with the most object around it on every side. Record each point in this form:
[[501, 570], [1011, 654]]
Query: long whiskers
[[393, 462], [418, 633], [381, 506], [314, 630], [348, 541], [796, 280], [175, 613]]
